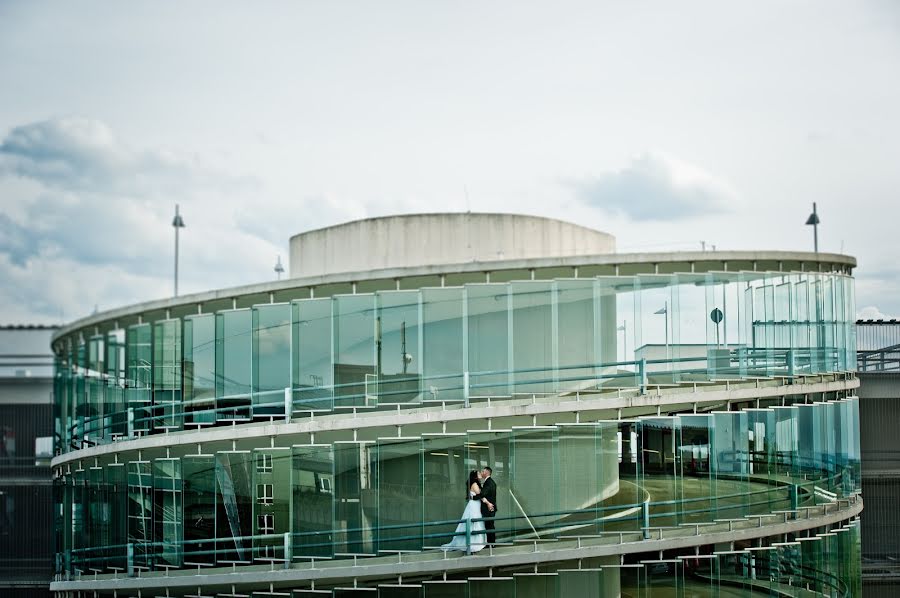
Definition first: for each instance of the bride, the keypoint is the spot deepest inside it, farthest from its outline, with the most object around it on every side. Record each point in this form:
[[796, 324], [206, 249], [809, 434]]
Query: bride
[[477, 536]]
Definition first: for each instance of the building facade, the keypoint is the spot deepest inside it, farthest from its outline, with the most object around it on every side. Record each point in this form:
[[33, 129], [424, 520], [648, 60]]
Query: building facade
[[26, 447], [878, 358], [670, 421]]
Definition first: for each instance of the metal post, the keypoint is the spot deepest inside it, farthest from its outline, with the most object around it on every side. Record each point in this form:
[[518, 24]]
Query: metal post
[[288, 405], [645, 518], [177, 223], [667, 329], [468, 536], [642, 369], [466, 388], [815, 231]]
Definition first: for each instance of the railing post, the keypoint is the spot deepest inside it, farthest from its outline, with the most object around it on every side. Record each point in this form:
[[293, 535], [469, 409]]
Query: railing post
[[288, 405], [129, 556], [790, 362], [642, 369], [645, 517], [288, 557], [468, 535], [466, 388], [795, 497]]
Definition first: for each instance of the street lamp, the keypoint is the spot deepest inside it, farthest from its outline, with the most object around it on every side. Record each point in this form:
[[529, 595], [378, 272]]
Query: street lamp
[[813, 221], [279, 269], [664, 310], [177, 222], [624, 330]]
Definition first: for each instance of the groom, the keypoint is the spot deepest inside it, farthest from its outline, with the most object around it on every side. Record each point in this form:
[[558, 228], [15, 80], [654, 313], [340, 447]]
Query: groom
[[488, 503]]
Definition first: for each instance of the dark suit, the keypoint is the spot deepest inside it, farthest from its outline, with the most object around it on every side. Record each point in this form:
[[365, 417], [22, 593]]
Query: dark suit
[[489, 491]]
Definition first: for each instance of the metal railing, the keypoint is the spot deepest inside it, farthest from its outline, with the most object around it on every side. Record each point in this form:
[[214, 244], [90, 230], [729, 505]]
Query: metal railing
[[457, 389], [645, 519]]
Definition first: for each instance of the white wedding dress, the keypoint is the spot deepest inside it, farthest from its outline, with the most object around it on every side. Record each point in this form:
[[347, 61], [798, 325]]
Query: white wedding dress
[[477, 534]]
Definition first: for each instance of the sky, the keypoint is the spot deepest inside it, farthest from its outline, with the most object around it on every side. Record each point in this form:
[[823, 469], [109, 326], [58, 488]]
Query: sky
[[666, 124]]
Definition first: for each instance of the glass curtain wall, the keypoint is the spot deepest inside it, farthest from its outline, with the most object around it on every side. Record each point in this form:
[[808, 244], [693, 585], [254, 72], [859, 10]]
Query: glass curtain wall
[[451, 344], [347, 498]]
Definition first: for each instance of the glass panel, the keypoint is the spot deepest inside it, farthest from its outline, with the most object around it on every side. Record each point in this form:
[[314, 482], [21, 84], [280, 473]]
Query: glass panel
[[234, 507], [313, 372], [492, 449], [695, 432], [114, 408], [354, 350], [443, 348], [118, 516], [579, 333], [588, 473], [273, 488], [138, 359], [399, 357], [487, 311], [617, 297], [538, 585], [445, 485], [313, 499], [355, 502], [94, 389], [199, 369], [655, 309], [167, 375], [492, 587], [400, 494], [730, 463], [233, 364], [534, 337], [168, 518], [446, 589], [140, 513], [659, 470], [199, 473], [96, 519], [271, 358]]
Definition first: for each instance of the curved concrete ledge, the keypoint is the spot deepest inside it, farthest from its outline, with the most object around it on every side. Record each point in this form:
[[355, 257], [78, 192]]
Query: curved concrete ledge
[[662, 398], [526, 554], [625, 260]]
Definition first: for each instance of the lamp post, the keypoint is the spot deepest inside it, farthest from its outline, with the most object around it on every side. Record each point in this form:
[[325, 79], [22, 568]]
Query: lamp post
[[813, 221], [624, 330], [177, 223], [664, 310]]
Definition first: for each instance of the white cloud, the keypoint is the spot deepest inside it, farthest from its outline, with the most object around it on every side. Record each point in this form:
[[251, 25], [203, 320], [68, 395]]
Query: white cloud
[[89, 222], [654, 186]]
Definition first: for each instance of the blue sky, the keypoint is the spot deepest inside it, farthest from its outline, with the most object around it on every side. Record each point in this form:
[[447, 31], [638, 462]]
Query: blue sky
[[665, 124]]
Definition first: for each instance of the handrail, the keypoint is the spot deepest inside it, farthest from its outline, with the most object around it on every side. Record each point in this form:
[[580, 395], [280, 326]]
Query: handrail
[[101, 554]]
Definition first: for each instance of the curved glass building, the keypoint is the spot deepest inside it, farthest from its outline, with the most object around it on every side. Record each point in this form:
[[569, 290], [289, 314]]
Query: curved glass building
[[680, 423]]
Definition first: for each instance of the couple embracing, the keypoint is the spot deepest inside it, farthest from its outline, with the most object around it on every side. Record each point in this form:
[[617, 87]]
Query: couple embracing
[[481, 503]]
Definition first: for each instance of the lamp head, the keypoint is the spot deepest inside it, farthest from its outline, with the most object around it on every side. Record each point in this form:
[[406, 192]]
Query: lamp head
[[178, 221]]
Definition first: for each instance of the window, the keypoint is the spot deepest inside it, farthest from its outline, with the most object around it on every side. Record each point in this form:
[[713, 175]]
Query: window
[[266, 523], [264, 494], [263, 463]]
